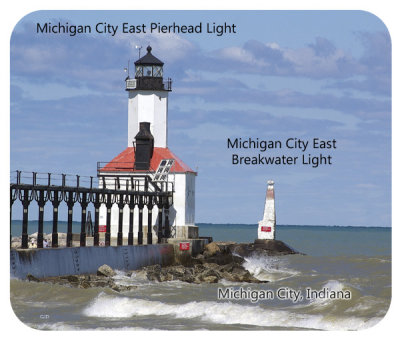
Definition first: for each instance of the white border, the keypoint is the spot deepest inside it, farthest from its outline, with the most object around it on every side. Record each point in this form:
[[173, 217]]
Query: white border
[[386, 10]]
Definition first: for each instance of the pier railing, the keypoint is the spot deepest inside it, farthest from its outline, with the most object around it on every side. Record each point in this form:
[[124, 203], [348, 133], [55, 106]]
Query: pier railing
[[56, 189], [116, 174]]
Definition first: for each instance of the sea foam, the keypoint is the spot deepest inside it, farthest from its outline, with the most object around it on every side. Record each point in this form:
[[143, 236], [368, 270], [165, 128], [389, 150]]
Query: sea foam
[[107, 306], [268, 268]]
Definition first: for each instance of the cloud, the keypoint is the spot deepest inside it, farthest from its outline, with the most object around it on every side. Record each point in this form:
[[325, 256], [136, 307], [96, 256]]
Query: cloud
[[318, 60], [220, 91], [375, 65]]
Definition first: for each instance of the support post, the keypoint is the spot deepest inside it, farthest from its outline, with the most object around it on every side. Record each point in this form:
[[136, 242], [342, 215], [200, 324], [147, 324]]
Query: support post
[[41, 203], [120, 219], [150, 221], [108, 220], [96, 220], [167, 226], [160, 222], [131, 211], [13, 197], [54, 235], [25, 205], [84, 204], [140, 232], [70, 204]]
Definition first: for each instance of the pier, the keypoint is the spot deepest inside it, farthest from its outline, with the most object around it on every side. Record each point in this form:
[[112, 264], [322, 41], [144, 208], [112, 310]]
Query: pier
[[35, 189]]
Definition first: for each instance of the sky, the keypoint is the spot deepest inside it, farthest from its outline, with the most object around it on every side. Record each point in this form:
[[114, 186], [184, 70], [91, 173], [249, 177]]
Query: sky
[[284, 74]]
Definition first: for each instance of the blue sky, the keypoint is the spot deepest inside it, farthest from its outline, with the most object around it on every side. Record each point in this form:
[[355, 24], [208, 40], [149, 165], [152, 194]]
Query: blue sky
[[284, 74]]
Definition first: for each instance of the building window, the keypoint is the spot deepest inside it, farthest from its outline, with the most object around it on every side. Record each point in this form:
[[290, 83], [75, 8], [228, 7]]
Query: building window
[[139, 71], [147, 71], [157, 71]]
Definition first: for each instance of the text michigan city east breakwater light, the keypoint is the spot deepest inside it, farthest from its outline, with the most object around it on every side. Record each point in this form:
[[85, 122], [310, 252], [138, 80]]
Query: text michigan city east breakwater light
[[127, 28], [290, 144]]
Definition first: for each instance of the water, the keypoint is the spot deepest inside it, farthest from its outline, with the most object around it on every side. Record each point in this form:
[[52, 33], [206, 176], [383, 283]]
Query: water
[[357, 259], [16, 227]]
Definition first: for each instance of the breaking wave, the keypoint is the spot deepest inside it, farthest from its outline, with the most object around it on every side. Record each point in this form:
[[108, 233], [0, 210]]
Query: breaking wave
[[107, 306], [268, 268]]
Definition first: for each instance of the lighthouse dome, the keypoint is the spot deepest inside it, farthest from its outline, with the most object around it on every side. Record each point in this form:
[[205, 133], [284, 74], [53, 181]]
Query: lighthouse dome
[[149, 66]]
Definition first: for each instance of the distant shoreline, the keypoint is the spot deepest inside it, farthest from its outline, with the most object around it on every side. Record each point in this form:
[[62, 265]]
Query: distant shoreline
[[255, 225], [230, 224]]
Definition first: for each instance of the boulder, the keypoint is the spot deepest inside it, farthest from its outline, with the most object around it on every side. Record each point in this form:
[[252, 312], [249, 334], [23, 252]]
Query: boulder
[[211, 250], [16, 244], [105, 271], [31, 277], [99, 283], [211, 279], [153, 272], [260, 247], [73, 278], [85, 284]]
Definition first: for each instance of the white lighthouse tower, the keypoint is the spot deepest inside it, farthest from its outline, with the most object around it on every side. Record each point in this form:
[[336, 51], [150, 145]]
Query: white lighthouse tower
[[266, 227], [148, 131], [148, 99]]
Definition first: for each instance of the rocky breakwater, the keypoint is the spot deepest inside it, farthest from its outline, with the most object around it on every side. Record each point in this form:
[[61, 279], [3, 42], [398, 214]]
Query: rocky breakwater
[[219, 261], [103, 278]]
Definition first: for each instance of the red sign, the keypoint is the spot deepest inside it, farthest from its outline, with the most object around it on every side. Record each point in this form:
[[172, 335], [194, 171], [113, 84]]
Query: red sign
[[102, 228], [265, 229], [184, 246]]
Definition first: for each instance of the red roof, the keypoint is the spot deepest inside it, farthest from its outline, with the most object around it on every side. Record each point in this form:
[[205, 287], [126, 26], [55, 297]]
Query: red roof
[[124, 161]]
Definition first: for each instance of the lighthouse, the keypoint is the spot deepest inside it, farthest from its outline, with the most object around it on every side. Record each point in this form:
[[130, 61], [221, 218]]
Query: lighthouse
[[148, 99], [147, 163], [266, 227]]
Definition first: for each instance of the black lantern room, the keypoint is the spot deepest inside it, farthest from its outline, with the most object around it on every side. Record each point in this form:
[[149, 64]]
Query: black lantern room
[[149, 74]]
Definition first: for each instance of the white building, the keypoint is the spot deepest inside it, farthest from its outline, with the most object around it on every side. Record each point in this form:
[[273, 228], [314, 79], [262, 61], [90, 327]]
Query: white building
[[148, 113]]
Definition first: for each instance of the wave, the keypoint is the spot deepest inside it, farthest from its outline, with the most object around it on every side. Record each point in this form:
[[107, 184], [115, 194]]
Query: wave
[[62, 326], [106, 306], [268, 268], [331, 285]]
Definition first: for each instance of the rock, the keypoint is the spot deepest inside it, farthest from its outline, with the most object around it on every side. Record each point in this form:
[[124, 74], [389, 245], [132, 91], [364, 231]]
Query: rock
[[210, 266], [227, 276], [99, 283], [16, 244], [211, 250], [62, 236], [230, 267], [31, 277], [73, 278], [176, 271], [121, 288], [211, 272], [153, 272], [198, 268], [211, 279], [85, 284], [260, 247], [115, 287], [105, 271], [139, 274]]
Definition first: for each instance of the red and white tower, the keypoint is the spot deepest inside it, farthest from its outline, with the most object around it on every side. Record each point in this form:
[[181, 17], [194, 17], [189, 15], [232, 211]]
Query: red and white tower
[[266, 227]]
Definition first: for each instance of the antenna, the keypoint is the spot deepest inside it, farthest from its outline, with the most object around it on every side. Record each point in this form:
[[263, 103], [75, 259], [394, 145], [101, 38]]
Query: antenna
[[126, 70], [139, 48]]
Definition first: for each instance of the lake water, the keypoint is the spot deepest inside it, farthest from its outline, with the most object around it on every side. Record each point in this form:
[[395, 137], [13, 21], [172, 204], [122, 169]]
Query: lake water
[[354, 259]]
